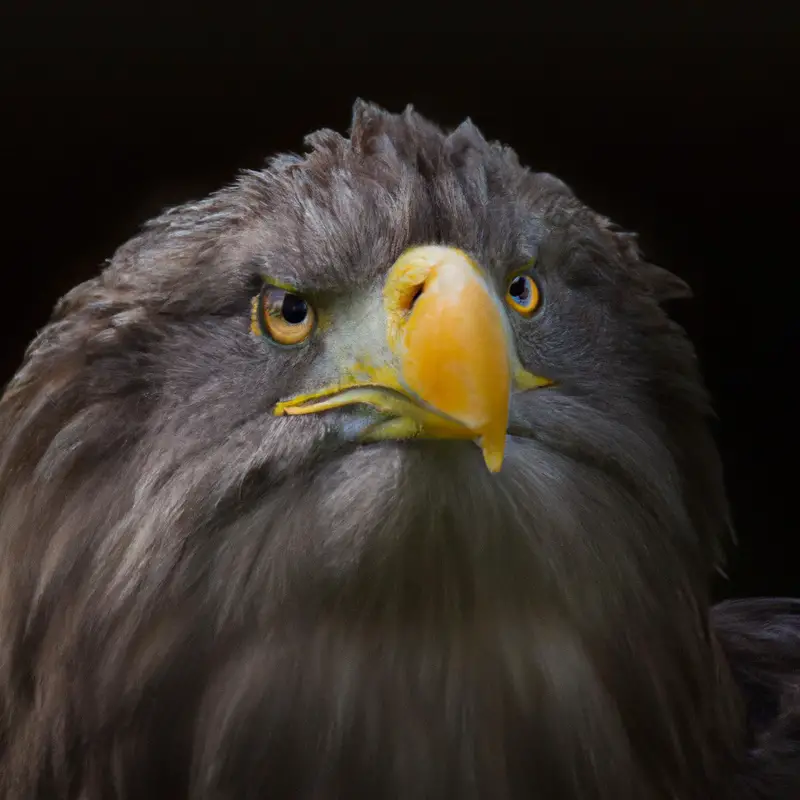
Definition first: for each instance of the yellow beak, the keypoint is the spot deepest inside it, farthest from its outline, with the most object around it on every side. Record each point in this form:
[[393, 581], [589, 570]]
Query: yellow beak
[[450, 375]]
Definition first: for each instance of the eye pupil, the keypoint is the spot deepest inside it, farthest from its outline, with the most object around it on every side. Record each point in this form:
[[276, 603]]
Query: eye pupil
[[294, 309], [519, 289]]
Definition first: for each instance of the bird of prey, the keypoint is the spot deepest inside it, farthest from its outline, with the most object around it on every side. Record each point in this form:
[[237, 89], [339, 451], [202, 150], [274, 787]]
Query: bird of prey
[[379, 473]]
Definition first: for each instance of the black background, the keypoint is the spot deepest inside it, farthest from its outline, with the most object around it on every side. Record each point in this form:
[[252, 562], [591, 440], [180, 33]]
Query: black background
[[680, 129]]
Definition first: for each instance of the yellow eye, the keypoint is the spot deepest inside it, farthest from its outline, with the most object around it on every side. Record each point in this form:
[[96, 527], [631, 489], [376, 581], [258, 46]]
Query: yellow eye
[[285, 317], [523, 294]]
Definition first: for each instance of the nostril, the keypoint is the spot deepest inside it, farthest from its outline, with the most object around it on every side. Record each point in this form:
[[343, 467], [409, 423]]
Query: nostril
[[414, 295]]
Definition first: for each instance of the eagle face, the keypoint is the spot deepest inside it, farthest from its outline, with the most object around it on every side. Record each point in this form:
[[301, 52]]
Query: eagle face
[[381, 471]]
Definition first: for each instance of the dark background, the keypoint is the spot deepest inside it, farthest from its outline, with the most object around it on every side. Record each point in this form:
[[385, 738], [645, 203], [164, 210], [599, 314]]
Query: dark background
[[679, 131]]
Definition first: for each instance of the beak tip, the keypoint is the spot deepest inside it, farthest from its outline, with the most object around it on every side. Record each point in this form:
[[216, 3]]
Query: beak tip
[[493, 455], [493, 464]]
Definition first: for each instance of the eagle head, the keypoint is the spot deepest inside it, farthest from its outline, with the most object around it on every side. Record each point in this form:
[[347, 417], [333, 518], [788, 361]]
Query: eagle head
[[381, 472]]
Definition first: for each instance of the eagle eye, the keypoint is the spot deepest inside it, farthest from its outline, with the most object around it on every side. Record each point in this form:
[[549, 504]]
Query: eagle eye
[[283, 316], [523, 294]]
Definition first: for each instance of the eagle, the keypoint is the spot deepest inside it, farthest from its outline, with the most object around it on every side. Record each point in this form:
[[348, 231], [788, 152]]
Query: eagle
[[381, 472]]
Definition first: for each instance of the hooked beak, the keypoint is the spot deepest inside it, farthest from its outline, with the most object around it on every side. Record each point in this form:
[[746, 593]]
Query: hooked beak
[[451, 364]]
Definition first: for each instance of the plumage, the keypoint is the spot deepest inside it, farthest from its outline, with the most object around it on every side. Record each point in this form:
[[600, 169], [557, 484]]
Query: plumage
[[202, 599]]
